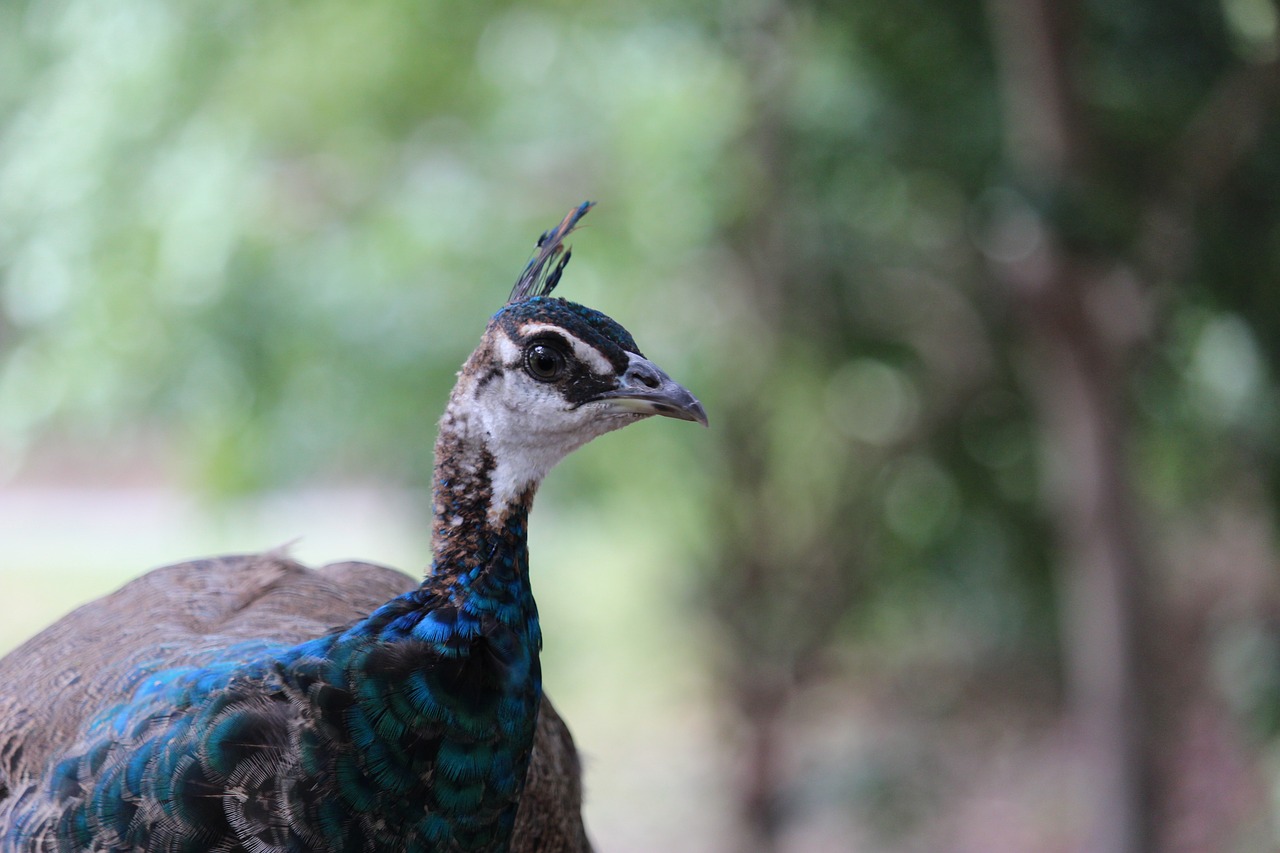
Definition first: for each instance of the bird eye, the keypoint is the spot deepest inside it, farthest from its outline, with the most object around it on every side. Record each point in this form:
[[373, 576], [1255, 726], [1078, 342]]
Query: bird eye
[[544, 363]]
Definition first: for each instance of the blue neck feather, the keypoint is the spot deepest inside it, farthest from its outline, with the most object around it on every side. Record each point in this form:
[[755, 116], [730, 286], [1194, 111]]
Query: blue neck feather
[[487, 582]]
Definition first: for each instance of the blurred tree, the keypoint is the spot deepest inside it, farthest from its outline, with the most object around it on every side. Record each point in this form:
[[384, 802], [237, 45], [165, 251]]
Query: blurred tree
[[1088, 216]]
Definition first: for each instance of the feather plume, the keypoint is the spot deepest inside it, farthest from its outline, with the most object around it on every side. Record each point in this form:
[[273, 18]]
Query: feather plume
[[542, 273]]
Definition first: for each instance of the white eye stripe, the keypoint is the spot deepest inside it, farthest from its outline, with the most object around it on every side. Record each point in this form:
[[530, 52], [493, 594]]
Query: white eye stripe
[[582, 350], [508, 352]]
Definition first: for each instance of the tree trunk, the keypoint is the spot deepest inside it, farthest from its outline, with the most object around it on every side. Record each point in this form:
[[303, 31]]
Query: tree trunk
[[1074, 316]]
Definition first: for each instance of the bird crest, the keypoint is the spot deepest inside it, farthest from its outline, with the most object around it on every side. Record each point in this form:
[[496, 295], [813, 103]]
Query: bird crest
[[542, 273]]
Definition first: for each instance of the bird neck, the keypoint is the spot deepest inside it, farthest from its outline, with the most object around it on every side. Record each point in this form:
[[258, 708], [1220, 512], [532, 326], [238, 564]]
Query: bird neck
[[475, 533]]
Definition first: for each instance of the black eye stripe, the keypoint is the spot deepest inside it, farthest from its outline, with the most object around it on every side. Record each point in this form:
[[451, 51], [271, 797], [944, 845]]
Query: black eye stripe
[[551, 339]]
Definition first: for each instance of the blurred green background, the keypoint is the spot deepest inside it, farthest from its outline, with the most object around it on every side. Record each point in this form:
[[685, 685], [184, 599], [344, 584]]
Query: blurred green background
[[982, 300]]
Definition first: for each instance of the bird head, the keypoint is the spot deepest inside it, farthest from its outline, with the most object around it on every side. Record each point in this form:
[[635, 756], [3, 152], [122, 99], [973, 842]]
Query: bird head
[[550, 375]]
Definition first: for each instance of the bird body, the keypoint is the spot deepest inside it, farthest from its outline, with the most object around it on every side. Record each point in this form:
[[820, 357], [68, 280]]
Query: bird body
[[408, 729], [411, 729], [188, 615]]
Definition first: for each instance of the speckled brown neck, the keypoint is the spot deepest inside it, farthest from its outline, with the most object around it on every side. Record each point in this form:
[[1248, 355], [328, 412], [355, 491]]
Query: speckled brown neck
[[464, 531]]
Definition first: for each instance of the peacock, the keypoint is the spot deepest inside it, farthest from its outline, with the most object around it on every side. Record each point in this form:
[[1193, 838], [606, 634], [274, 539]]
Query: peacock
[[214, 706]]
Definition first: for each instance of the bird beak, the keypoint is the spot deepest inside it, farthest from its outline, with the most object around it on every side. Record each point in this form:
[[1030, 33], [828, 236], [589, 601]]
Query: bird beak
[[646, 389]]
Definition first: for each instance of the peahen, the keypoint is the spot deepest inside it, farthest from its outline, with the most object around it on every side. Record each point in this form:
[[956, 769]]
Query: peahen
[[212, 706]]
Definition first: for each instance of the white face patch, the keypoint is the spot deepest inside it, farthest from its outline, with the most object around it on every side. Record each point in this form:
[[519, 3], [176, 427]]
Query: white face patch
[[527, 425], [528, 428], [583, 351]]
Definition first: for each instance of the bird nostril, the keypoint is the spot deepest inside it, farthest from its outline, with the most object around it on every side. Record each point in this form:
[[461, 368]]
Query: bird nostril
[[645, 378]]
